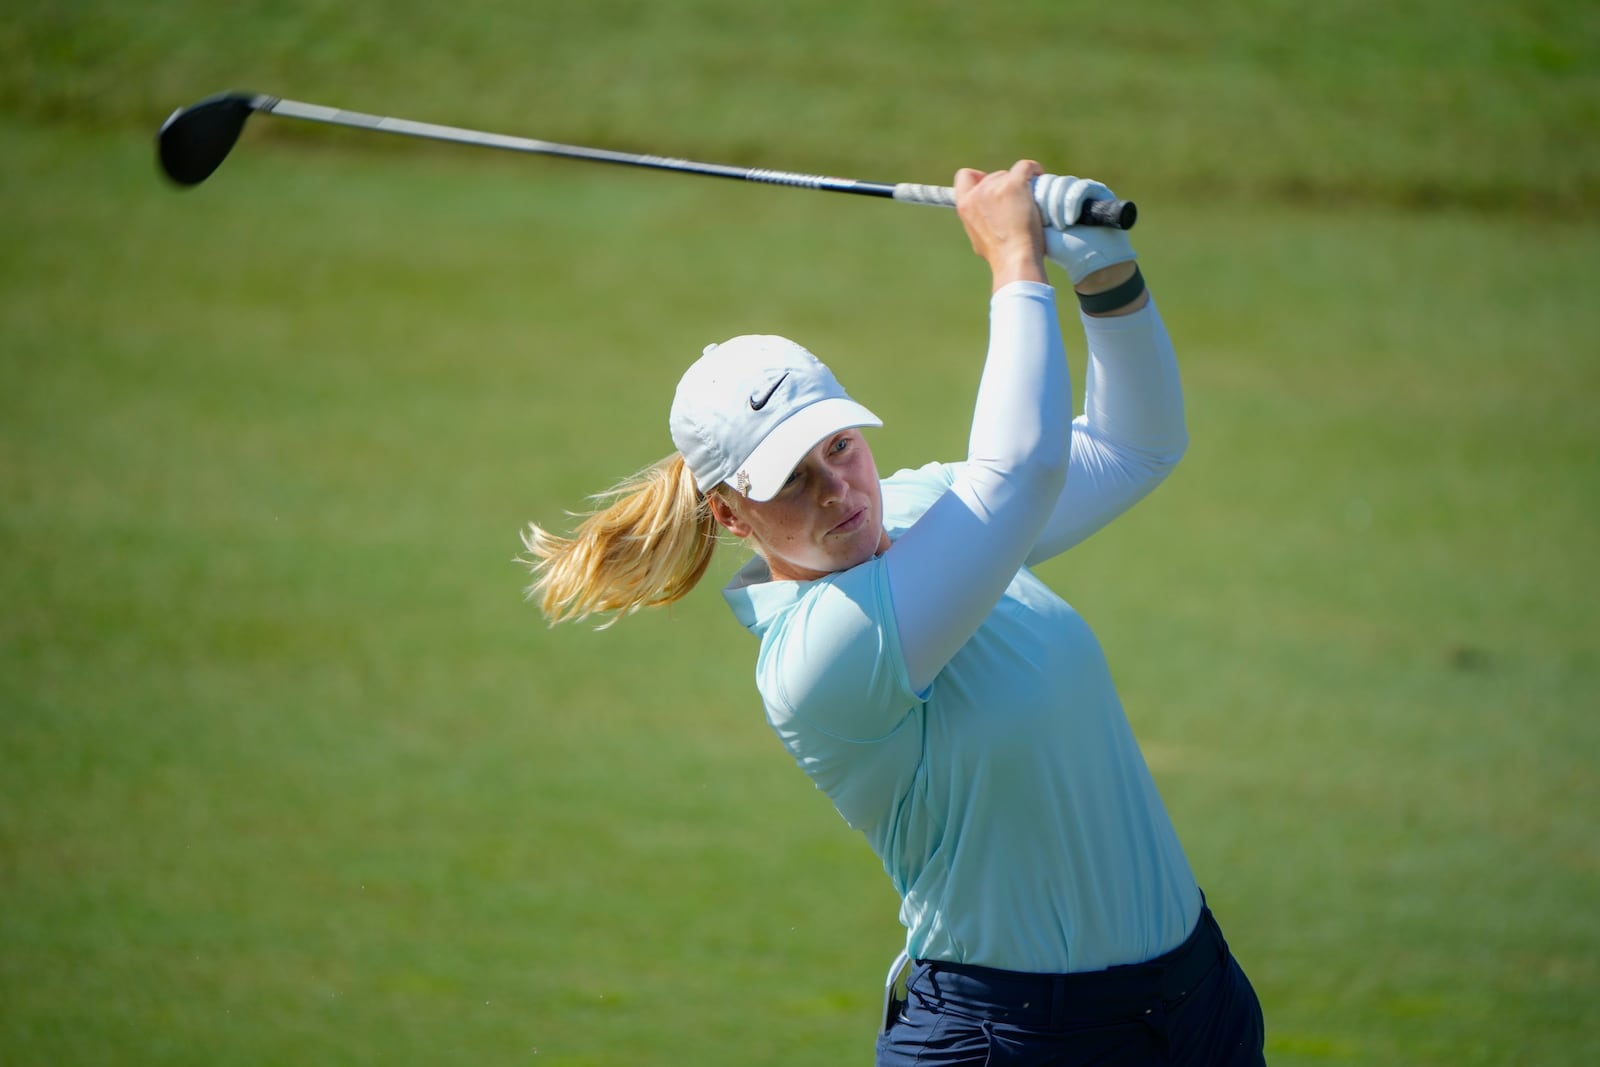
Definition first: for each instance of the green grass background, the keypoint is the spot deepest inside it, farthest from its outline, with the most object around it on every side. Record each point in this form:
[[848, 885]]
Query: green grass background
[[290, 774]]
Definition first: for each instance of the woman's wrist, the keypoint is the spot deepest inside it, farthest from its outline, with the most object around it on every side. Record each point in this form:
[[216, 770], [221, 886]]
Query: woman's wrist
[[1115, 290], [1025, 266]]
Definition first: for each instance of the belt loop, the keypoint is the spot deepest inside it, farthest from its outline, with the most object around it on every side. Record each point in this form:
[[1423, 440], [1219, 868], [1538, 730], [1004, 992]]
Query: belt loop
[[1058, 1002], [1155, 1020]]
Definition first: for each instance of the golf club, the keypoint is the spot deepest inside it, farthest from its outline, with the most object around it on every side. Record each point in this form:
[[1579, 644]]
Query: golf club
[[195, 140]]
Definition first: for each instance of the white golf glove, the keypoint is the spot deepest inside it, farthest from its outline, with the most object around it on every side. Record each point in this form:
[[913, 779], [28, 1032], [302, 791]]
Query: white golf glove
[[1079, 250]]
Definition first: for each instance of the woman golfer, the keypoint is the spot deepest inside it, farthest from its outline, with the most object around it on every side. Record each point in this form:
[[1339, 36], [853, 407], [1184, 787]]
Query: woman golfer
[[956, 711]]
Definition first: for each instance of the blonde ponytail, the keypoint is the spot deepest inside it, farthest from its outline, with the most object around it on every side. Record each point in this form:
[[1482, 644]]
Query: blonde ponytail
[[647, 547]]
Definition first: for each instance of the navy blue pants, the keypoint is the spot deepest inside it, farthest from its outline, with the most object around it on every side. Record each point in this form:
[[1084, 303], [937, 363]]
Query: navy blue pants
[[1192, 1007]]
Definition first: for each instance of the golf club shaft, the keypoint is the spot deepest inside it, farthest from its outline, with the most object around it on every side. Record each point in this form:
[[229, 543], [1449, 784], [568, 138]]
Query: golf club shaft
[[1119, 214]]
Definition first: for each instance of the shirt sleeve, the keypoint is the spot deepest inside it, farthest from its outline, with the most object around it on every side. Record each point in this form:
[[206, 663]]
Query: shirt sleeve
[[1131, 433], [947, 572], [833, 681]]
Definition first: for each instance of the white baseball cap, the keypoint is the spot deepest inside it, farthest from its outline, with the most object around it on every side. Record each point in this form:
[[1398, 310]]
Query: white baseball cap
[[749, 410]]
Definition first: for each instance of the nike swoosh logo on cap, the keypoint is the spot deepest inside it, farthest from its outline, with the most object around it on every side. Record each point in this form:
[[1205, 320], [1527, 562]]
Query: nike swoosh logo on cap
[[759, 402]]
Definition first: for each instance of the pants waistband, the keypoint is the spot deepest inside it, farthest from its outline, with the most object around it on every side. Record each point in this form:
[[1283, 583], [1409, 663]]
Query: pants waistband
[[1056, 1000]]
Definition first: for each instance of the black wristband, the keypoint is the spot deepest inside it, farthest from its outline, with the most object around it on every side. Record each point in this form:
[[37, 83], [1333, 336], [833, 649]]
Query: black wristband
[[1116, 297]]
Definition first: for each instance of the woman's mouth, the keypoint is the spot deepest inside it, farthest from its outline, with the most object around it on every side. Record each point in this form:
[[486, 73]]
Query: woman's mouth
[[851, 524]]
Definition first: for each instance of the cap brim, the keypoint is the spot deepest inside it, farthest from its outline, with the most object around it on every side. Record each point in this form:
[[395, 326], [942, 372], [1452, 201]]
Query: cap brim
[[769, 466]]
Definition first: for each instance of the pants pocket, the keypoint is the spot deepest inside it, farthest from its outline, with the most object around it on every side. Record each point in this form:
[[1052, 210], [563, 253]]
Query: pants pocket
[[1129, 1044], [923, 1038]]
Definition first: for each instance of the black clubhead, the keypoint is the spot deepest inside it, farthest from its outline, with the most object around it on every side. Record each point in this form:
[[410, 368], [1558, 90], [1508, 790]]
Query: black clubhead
[[195, 140]]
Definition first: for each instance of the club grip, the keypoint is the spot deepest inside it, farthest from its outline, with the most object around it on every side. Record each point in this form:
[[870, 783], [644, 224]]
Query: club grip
[[1112, 214]]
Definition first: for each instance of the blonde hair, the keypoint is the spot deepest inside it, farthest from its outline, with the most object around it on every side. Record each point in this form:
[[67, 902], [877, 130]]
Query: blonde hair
[[647, 547]]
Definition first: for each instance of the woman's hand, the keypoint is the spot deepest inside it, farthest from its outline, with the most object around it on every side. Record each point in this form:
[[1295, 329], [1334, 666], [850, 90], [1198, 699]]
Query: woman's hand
[[1002, 221]]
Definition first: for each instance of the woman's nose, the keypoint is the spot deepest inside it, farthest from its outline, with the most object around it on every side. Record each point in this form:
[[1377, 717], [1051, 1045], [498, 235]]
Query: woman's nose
[[830, 486]]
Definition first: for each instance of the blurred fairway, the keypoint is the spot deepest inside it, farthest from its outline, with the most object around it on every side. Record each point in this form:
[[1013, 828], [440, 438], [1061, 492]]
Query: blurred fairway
[[290, 774]]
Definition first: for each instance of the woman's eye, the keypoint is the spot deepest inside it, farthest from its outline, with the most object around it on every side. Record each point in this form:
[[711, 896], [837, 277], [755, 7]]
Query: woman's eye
[[841, 444]]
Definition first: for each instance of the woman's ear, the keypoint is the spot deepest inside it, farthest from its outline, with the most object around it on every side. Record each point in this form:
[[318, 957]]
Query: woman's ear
[[723, 512]]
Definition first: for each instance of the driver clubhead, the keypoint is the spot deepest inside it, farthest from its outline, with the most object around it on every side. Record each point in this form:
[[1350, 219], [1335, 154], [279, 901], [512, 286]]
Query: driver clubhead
[[194, 140]]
